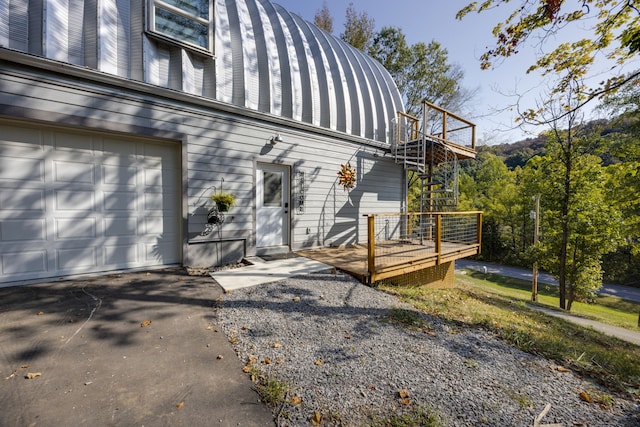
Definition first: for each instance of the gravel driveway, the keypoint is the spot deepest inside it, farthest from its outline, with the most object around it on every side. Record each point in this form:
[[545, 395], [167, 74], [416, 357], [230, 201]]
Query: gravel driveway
[[327, 337]]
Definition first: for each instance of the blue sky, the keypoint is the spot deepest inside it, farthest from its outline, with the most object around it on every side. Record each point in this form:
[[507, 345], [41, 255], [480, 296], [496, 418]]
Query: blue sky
[[465, 41]]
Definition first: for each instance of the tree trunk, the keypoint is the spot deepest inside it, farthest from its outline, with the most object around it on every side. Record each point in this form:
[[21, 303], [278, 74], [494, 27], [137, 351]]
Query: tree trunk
[[566, 199]]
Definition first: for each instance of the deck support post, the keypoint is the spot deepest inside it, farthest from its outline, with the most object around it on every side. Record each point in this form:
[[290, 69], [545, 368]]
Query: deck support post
[[438, 237], [371, 248]]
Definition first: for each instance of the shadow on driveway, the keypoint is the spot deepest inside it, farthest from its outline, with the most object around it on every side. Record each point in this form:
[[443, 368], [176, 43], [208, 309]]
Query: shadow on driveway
[[124, 349]]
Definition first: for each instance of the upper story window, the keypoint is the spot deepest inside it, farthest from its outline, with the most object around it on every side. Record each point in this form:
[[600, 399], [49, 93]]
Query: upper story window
[[187, 21]]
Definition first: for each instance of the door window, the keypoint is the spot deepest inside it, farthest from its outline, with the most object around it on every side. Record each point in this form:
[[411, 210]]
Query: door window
[[272, 189]]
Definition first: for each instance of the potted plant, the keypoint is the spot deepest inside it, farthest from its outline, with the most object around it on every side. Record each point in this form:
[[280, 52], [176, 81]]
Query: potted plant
[[223, 200]]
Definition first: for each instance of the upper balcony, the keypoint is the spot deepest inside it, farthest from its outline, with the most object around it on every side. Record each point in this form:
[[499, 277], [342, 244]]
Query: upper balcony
[[439, 136]]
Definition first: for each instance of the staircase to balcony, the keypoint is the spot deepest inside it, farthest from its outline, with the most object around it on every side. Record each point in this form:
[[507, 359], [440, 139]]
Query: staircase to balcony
[[430, 148]]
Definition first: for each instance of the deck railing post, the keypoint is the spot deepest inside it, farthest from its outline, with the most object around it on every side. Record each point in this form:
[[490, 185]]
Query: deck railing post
[[444, 125], [371, 248], [479, 231], [438, 237]]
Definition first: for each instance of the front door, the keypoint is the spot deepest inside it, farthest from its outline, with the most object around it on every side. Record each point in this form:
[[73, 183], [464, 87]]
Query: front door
[[272, 205]]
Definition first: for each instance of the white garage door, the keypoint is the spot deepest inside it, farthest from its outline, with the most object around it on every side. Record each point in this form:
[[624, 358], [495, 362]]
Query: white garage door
[[73, 203]]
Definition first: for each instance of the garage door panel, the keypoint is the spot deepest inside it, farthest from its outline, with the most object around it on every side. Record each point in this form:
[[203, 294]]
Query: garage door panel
[[119, 175], [74, 200], [21, 139], [122, 256], [30, 263], [159, 253], [161, 225], [23, 230], [68, 207], [76, 143], [73, 259], [114, 151], [75, 228], [114, 227], [120, 201], [22, 200], [22, 170], [73, 172]]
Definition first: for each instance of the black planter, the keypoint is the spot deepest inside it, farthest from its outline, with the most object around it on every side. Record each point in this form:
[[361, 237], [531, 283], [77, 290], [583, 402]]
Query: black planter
[[223, 207]]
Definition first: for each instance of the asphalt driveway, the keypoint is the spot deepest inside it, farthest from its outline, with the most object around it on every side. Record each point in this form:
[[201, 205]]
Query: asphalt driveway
[[121, 350]]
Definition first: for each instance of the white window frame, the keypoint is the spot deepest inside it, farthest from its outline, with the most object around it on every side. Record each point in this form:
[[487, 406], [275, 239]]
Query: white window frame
[[151, 24]]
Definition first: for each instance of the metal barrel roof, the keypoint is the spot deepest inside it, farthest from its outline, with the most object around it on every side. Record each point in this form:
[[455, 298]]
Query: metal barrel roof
[[270, 60]]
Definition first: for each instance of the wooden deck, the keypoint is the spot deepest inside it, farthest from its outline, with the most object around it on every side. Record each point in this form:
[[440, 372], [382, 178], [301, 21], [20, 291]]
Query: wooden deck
[[393, 258]]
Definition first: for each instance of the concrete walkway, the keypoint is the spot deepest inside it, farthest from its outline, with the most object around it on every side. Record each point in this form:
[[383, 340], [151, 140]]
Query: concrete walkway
[[614, 331], [266, 272]]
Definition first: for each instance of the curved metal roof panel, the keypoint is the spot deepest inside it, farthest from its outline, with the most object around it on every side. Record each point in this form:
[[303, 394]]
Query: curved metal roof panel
[[270, 60]]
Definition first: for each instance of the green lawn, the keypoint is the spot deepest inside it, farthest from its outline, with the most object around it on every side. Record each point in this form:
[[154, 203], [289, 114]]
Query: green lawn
[[499, 304], [611, 310]]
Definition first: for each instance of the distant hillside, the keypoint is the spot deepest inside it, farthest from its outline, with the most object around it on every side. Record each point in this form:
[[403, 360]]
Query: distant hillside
[[517, 153]]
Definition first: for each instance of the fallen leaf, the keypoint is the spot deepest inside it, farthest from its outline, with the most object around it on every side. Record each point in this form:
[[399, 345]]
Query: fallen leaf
[[277, 345], [266, 361], [319, 362], [296, 400], [24, 366], [247, 369], [145, 323], [251, 359], [280, 361], [180, 405], [562, 369], [233, 340], [32, 375], [403, 393], [40, 313], [405, 402], [584, 396], [316, 420]]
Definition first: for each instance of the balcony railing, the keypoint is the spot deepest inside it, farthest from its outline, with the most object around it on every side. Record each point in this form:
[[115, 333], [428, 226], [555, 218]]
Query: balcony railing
[[406, 242]]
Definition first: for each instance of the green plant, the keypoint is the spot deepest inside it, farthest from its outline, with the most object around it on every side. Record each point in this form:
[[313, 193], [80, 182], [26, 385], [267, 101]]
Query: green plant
[[418, 416], [409, 319], [223, 200], [273, 392]]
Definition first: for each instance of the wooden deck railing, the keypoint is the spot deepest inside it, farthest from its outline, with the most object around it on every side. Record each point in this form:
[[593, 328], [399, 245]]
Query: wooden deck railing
[[406, 242], [438, 124]]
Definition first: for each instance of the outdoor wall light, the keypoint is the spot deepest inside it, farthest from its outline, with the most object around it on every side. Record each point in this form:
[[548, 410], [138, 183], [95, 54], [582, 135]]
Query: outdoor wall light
[[275, 139]]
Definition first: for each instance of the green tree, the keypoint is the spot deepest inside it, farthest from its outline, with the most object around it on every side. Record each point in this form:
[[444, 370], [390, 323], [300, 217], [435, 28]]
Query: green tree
[[579, 224], [615, 35], [323, 18], [623, 157], [358, 29], [421, 71], [489, 186]]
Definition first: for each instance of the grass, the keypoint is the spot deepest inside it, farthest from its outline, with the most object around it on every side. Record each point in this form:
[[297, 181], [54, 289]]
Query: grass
[[416, 417], [498, 304], [606, 309]]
